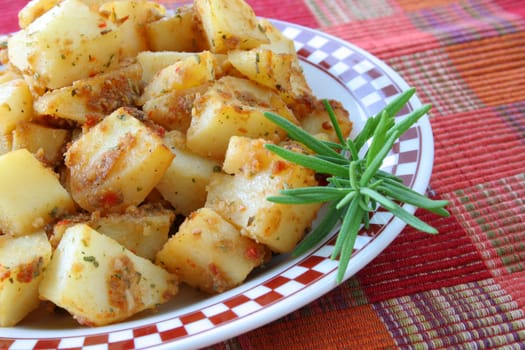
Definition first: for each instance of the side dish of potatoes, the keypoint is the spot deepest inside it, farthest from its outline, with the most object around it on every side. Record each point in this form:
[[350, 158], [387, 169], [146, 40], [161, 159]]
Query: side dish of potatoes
[[132, 153]]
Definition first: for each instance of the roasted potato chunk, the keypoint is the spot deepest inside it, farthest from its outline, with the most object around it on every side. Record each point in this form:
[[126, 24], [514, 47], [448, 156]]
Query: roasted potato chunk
[[210, 254], [229, 25], [22, 261], [116, 163], [241, 198], [184, 182], [30, 196], [120, 283], [91, 99], [67, 43], [233, 106]]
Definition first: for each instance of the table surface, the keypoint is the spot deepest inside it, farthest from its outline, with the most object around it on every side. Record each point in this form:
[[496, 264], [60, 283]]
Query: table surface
[[464, 288]]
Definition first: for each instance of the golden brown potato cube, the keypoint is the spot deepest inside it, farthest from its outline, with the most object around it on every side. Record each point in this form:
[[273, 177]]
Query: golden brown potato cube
[[47, 144], [34, 9], [22, 260], [30, 195], [67, 43], [192, 71], [116, 163], [16, 104], [264, 66], [317, 122], [172, 110], [153, 62], [278, 43], [93, 98], [177, 32], [233, 106], [143, 230], [209, 253], [8, 74], [184, 183], [229, 25], [131, 17], [241, 198], [99, 281]]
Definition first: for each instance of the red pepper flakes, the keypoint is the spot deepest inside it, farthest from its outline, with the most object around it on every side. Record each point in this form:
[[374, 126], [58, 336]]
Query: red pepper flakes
[[252, 253], [110, 199], [279, 166], [213, 268]]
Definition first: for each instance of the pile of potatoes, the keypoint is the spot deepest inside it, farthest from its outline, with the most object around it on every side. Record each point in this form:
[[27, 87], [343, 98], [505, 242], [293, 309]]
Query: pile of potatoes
[[117, 118]]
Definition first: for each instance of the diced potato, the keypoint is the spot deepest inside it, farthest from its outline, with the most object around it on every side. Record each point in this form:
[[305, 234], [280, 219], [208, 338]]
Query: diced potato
[[93, 98], [264, 66], [298, 96], [233, 106], [229, 25], [116, 163], [16, 104], [67, 43], [153, 62], [6, 143], [192, 71], [172, 110], [131, 17], [177, 32], [44, 142], [241, 199], [209, 253], [143, 230], [30, 195], [9, 74], [100, 282], [22, 261], [34, 9], [184, 183], [278, 43], [317, 122]]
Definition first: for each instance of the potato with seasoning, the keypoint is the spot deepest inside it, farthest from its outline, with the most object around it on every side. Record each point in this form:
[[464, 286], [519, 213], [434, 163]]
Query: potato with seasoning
[[121, 284], [229, 25], [142, 230], [67, 43], [241, 198], [184, 182], [46, 143], [91, 99], [116, 163], [188, 36], [233, 106], [22, 260], [210, 254], [189, 72], [31, 195]]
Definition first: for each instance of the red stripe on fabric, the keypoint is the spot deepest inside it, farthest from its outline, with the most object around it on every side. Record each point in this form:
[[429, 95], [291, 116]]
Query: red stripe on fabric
[[512, 6], [9, 22], [464, 158], [417, 261], [294, 11], [385, 37]]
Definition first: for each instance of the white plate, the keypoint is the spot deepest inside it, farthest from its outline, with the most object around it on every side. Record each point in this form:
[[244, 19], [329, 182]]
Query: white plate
[[335, 69]]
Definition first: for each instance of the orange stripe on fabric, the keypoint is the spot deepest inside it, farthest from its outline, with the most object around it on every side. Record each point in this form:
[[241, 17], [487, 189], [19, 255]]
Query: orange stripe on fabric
[[353, 328], [493, 68], [415, 5]]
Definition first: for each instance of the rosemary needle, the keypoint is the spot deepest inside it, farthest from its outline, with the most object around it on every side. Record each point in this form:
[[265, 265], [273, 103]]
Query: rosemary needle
[[356, 185]]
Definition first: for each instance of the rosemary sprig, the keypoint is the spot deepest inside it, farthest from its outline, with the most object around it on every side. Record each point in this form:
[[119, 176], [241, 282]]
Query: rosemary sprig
[[356, 185]]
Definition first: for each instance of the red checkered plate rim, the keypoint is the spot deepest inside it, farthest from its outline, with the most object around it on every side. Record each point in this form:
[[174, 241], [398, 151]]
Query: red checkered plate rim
[[335, 69]]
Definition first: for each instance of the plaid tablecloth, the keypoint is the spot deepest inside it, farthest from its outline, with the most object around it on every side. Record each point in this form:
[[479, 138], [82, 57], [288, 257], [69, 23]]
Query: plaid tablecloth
[[464, 288]]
